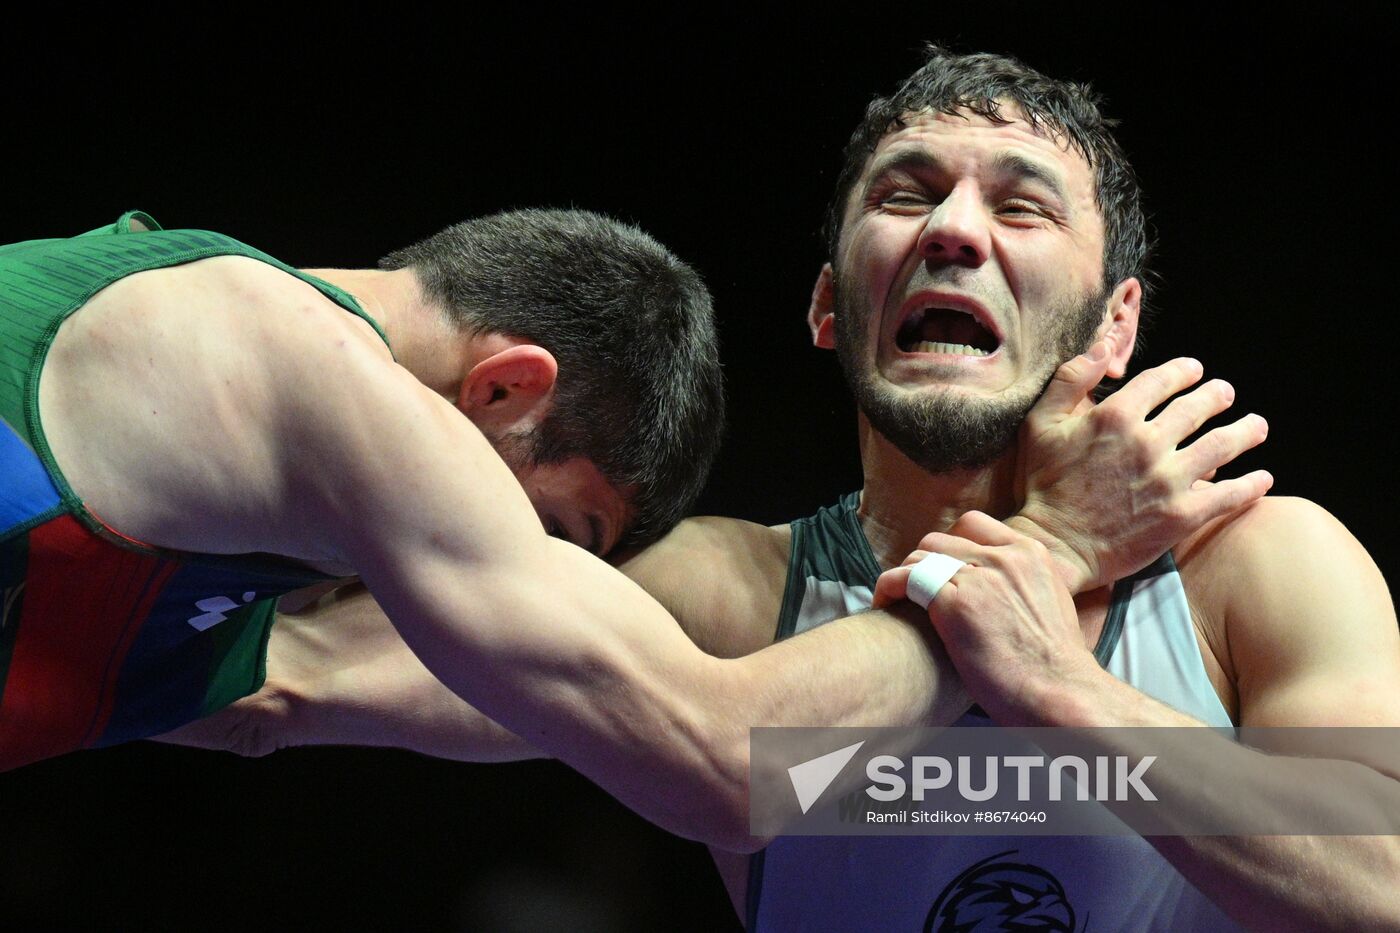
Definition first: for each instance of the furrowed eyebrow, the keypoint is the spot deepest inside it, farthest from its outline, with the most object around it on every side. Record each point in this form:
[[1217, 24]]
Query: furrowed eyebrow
[[1003, 163], [1011, 163], [906, 160]]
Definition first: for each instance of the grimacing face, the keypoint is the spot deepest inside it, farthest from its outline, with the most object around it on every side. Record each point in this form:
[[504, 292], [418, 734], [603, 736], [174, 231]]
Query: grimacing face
[[970, 266]]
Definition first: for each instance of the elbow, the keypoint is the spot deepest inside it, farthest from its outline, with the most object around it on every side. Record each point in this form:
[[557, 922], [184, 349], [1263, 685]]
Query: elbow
[[725, 822], [252, 727], [725, 825], [710, 803], [260, 724], [743, 843], [731, 824], [1385, 891], [732, 829], [728, 822]]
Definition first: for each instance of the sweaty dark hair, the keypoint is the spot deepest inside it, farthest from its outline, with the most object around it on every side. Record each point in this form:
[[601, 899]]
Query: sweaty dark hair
[[639, 390], [982, 84]]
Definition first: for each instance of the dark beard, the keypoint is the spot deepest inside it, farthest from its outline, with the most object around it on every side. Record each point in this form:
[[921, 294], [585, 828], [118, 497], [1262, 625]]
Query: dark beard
[[946, 431]]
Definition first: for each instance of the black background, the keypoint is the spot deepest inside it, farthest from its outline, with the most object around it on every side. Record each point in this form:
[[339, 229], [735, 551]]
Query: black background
[[1260, 148]]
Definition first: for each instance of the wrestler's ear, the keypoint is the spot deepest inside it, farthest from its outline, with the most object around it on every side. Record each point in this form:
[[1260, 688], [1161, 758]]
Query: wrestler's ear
[[821, 320], [1120, 325], [510, 386]]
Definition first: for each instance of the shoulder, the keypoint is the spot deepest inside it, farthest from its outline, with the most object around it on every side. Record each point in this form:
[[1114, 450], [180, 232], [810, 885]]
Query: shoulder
[[218, 326], [722, 578], [1302, 609], [261, 352], [1277, 546], [721, 540], [251, 297], [224, 379]]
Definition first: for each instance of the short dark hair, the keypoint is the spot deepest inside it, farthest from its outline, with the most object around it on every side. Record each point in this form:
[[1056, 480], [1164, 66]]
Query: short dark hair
[[981, 84], [639, 389]]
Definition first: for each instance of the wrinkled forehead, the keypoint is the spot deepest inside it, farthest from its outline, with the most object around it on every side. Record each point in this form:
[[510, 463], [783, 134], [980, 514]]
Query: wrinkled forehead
[[970, 142]]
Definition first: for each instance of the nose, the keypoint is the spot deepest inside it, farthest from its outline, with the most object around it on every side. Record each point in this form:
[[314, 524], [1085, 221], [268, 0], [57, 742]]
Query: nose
[[956, 231]]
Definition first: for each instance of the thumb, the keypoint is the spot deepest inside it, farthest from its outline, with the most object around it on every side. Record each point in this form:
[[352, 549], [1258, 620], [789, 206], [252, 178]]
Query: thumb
[[892, 586], [1071, 385]]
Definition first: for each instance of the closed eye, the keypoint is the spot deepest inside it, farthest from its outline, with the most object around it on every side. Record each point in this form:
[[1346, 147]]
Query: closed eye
[[1021, 207], [904, 201], [555, 530]]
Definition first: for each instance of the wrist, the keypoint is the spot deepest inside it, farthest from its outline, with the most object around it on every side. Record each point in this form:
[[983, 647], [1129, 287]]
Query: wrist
[[1072, 569]]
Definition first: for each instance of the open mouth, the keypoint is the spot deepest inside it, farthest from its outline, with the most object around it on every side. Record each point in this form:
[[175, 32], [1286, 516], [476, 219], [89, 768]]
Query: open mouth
[[945, 330]]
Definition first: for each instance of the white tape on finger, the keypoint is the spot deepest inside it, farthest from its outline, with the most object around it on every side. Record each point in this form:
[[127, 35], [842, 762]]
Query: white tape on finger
[[929, 575]]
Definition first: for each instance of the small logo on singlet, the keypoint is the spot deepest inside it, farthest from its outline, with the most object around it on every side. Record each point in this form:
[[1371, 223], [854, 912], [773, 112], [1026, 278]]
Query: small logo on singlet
[[997, 896], [216, 610]]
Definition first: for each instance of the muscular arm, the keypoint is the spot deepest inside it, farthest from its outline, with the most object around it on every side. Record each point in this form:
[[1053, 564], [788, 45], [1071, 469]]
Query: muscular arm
[[537, 634], [331, 453], [339, 673], [1311, 640]]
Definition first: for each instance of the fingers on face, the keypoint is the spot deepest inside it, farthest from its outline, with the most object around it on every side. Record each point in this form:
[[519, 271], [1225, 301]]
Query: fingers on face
[[1073, 382]]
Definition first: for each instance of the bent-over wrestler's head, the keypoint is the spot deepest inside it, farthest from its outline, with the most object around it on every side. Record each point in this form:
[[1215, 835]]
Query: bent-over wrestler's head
[[601, 388], [985, 228]]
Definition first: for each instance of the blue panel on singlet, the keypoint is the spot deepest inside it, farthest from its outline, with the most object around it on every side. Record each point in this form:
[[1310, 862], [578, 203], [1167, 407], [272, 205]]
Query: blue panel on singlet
[[26, 491]]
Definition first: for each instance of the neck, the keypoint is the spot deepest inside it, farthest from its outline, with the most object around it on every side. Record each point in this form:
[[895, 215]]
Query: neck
[[424, 341], [902, 502]]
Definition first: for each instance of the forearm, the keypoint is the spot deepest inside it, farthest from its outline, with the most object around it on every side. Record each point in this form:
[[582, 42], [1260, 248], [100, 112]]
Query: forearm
[[342, 676], [405, 708], [594, 672], [272, 720], [1205, 780], [880, 668]]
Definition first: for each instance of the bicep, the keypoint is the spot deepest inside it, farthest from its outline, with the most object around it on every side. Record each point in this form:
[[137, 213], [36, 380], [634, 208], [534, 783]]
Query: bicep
[[537, 634], [1310, 622], [529, 629]]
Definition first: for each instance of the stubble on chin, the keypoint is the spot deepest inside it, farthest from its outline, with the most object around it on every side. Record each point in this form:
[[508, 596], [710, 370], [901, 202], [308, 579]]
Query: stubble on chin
[[943, 430]]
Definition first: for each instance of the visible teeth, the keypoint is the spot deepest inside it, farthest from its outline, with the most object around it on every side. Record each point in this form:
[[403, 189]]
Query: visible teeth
[[961, 349]]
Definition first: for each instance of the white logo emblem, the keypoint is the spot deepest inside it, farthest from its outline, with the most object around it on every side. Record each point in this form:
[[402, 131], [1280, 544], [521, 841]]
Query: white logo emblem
[[215, 608], [810, 778]]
